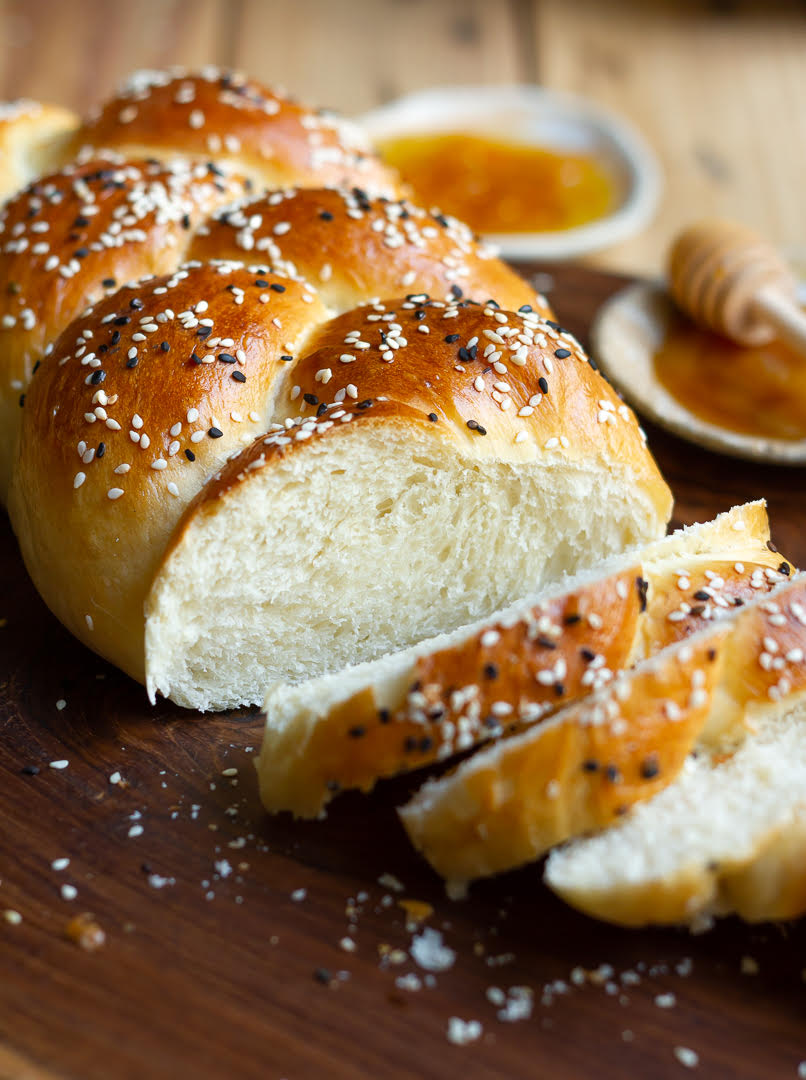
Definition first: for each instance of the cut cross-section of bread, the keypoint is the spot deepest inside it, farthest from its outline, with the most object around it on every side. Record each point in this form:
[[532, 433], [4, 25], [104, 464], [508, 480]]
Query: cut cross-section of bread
[[582, 769], [729, 836], [447, 694]]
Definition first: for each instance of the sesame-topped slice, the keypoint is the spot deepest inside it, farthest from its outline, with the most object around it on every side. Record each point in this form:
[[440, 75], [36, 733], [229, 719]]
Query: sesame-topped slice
[[71, 238], [351, 246], [225, 116]]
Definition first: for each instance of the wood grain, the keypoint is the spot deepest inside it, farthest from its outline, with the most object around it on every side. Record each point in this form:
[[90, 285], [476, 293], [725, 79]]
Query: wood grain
[[213, 974]]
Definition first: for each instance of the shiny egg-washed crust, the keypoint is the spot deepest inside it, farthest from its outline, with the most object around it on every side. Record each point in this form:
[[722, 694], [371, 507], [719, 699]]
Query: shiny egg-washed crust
[[506, 675], [470, 811], [33, 140], [225, 116], [353, 248], [578, 771], [77, 235]]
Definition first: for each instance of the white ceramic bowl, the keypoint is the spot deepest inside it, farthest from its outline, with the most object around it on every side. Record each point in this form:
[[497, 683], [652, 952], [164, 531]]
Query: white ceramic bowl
[[531, 114]]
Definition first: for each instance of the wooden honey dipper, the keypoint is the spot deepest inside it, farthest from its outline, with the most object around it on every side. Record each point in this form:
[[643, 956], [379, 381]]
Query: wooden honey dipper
[[728, 278]]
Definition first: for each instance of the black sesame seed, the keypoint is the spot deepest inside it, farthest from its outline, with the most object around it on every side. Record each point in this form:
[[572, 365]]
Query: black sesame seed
[[464, 356], [227, 358], [384, 716], [543, 384], [562, 353], [215, 433], [186, 221], [261, 283], [81, 222], [738, 602], [643, 588], [784, 569], [426, 742], [277, 287], [239, 376], [136, 304], [559, 689], [312, 399], [701, 594], [165, 346], [410, 744], [491, 671], [122, 320], [109, 283], [590, 765], [286, 358], [472, 424], [649, 768], [364, 404], [30, 770], [204, 331], [432, 416], [357, 732], [451, 338], [133, 362], [546, 643], [572, 618], [99, 453], [325, 215], [190, 455], [322, 975], [698, 609], [194, 356], [711, 654], [772, 546], [612, 774], [321, 410], [456, 292], [525, 308], [115, 337], [22, 401], [593, 363], [36, 366], [81, 253], [97, 376], [587, 654], [419, 315]]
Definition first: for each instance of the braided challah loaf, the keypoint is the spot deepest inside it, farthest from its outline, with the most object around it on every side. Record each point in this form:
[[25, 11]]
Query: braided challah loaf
[[397, 468]]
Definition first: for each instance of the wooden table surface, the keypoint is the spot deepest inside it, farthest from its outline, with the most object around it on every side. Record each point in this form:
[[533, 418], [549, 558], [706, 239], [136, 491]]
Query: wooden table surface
[[716, 87], [212, 968]]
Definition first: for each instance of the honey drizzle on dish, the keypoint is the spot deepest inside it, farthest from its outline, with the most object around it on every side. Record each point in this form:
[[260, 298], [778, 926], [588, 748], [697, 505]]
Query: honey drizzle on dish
[[498, 186], [758, 391]]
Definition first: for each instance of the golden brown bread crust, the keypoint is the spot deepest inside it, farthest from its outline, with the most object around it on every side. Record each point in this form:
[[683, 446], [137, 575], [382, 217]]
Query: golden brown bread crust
[[92, 528], [513, 674], [33, 139], [579, 771], [77, 235], [224, 116], [353, 248]]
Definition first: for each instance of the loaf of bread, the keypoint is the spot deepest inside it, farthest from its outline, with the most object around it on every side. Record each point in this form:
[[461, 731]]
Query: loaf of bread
[[586, 766], [448, 694], [356, 452]]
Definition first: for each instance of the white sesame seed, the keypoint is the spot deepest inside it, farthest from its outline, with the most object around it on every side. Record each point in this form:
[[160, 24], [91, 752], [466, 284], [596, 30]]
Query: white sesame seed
[[135, 831], [114, 493], [79, 479], [60, 864], [62, 763]]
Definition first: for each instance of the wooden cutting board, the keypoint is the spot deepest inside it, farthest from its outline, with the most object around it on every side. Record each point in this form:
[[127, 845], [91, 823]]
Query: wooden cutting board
[[215, 966]]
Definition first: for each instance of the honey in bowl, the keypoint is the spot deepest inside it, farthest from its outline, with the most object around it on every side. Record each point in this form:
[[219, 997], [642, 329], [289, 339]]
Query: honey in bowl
[[753, 390], [498, 186]]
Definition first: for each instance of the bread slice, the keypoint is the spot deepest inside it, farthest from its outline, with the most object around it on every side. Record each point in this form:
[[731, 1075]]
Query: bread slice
[[585, 767], [450, 693], [729, 836]]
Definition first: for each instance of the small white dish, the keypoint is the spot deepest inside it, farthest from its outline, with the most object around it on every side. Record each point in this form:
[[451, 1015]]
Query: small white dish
[[627, 331], [548, 118]]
